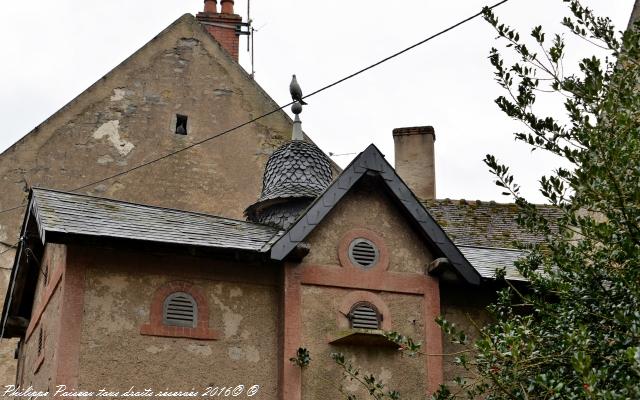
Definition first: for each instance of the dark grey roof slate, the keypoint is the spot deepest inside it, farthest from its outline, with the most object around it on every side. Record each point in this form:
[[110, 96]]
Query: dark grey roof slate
[[486, 224], [371, 161], [486, 260], [295, 174], [282, 215], [296, 169], [92, 216]]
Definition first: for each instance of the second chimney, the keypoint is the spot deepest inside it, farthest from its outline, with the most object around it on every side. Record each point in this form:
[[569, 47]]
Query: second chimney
[[415, 161], [222, 25]]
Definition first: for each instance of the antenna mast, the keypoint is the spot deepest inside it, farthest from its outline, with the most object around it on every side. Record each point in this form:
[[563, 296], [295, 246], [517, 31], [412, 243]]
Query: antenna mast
[[249, 32]]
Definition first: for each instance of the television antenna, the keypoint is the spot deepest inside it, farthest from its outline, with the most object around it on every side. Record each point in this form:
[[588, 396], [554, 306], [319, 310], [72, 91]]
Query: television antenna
[[247, 29]]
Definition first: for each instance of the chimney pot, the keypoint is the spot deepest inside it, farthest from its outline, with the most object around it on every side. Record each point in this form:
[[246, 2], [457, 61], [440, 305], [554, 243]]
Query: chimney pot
[[414, 156], [227, 6], [211, 6]]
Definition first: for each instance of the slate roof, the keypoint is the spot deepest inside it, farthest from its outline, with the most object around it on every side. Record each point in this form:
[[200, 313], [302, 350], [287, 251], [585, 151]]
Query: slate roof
[[486, 260], [295, 174], [484, 224], [296, 169], [475, 227], [60, 212]]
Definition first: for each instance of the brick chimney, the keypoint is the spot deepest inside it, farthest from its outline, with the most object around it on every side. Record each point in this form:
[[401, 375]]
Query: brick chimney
[[415, 159], [222, 25]]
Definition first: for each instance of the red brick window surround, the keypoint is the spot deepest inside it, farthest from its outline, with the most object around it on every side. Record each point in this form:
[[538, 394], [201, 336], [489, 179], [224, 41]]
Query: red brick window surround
[[364, 315], [359, 297], [157, 326]]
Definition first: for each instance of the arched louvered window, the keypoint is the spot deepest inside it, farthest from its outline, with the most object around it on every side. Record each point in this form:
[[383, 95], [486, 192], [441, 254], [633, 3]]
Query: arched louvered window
[[365, 315], [180, 309]]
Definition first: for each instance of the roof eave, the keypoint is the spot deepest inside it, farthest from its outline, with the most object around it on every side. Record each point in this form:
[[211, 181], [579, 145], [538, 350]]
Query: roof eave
[[9, 299]]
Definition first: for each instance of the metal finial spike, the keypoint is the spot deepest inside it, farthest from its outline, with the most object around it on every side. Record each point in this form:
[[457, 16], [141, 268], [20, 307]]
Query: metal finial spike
[[297, 128]]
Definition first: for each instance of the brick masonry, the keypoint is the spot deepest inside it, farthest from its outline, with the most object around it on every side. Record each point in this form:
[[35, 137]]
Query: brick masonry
[[156, 327]]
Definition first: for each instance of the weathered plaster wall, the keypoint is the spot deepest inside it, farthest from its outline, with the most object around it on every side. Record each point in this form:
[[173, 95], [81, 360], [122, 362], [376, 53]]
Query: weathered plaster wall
[[37, 370], [466, 308], [41, 378], [322, 378], [366, 206], [128, 117], [242, 303]]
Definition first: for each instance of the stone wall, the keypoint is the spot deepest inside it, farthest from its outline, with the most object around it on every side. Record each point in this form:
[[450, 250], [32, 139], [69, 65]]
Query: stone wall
[[38, 353], [111, 351], [326, 296]]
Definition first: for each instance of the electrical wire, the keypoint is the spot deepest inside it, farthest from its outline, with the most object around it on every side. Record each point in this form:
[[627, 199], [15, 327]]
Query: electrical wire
[[8, 244], [4, 319], [6, 250], [394, 55], [12, 208]]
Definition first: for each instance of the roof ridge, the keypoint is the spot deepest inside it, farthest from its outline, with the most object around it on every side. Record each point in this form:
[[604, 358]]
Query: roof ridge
[[463, 201]]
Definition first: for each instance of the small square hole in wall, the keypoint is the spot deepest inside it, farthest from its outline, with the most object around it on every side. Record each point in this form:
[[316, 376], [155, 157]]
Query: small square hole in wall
[[181, 124]]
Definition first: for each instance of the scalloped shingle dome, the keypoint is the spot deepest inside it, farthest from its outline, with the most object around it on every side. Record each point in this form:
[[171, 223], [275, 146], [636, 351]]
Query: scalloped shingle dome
[[295, 174]]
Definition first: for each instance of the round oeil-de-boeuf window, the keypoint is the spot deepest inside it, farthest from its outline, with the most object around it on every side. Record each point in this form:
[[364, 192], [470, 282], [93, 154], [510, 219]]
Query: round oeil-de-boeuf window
[[363, 253]]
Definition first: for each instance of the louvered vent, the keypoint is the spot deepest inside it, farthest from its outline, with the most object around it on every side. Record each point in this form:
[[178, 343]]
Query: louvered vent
[[365, 316], [180, 309], [364, 253]]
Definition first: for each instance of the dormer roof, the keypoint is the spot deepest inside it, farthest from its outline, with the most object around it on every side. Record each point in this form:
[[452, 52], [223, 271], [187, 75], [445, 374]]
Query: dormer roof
[[371, 162]]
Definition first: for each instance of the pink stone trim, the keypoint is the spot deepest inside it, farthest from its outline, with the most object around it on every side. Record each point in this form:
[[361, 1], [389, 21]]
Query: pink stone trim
[[357, 296]]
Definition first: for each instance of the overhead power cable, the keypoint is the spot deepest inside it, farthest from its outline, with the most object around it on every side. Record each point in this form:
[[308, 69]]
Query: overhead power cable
[[6, 250], [394, 55]]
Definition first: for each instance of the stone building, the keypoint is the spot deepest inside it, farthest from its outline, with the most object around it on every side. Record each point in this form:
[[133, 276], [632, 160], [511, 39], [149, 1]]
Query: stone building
[[182, 79], [155, 278], [112, 294]]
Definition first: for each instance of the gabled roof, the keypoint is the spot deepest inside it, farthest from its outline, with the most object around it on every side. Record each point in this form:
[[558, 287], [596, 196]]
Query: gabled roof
[[66, 213], [485, 224], [372, 162]]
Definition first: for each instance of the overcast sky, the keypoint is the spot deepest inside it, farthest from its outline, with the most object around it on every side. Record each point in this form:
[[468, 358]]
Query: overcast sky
[[53, 50]]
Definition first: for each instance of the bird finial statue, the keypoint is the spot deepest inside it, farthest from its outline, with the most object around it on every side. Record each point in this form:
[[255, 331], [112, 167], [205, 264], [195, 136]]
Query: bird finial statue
[[296, 92]]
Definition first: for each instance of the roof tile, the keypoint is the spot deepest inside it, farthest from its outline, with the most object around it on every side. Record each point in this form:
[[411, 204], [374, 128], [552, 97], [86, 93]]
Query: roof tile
[[94, 216], [488, 224]]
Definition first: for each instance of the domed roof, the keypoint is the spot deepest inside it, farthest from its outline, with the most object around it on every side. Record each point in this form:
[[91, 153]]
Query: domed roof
[[296, 171]]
